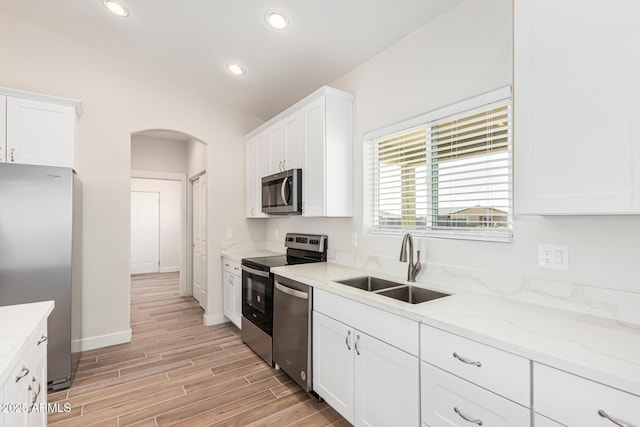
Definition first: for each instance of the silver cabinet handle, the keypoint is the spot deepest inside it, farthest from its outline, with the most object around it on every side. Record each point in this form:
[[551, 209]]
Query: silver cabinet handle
[[42, 339], [347, 340], [23, 373], [603, 414], [466, 418], [284, 165], [357, 345], [12, 151], [467, 361], [35, 396]]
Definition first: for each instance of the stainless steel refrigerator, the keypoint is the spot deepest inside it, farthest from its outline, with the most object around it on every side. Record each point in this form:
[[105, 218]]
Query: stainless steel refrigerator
[[40, 255]]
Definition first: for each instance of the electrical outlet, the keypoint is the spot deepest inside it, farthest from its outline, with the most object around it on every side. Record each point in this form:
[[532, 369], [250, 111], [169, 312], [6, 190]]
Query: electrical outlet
[[228, 233], [354, 239], [552, 256]]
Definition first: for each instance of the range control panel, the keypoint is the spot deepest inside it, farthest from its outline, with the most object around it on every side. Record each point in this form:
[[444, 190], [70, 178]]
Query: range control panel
[[307, 242]]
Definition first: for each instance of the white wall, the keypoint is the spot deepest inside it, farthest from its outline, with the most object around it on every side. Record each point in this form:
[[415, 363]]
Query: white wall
[[169, 219], [120, 99], [158, 154], [463, 53], [196, 157]]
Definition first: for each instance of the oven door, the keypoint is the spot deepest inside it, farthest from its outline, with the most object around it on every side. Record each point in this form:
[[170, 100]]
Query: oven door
[[257, 298]]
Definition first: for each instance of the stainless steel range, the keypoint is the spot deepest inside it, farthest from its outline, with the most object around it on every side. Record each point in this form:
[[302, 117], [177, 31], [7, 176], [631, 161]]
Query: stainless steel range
[[258, 284]]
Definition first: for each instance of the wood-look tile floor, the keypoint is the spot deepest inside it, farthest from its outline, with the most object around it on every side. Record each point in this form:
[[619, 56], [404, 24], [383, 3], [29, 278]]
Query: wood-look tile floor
[[178, 372]]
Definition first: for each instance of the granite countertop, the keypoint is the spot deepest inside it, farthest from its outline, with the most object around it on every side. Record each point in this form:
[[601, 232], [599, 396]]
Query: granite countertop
[[17, 323], [600, 349]]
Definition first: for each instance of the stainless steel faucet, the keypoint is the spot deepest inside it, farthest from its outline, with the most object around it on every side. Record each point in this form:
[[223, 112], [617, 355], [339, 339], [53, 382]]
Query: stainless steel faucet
[[413, 269]]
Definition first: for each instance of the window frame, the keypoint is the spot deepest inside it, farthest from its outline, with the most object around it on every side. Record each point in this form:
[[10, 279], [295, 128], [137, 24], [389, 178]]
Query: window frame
[[502, 95]]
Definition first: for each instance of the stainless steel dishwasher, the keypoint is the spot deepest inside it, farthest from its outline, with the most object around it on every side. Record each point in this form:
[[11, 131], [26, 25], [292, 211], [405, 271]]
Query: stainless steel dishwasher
[[292, 330]]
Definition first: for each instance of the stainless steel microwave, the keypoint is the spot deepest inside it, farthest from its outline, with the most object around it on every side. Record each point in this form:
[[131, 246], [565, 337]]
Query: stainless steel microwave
[[282, 193]]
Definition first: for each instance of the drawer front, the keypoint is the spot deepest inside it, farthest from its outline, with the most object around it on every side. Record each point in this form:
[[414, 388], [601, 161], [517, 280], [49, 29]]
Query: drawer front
[[231, 266], [496, 370], [576, 401], [450, 401], [396, 330]]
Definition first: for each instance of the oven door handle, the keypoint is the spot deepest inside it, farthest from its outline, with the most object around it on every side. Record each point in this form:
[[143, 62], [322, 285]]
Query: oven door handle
[[254, 271], [292, 292]]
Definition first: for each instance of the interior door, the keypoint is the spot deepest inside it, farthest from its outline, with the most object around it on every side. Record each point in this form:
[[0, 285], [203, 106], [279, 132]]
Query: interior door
[[145, 232], [200, 240]]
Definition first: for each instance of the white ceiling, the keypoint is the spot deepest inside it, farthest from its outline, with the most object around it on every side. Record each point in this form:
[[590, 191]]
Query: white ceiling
[[191, 41]]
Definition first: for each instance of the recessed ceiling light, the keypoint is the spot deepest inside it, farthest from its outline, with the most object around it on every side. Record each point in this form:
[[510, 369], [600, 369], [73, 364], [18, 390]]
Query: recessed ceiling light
[[277, 20], [236, 69], [116, 7]]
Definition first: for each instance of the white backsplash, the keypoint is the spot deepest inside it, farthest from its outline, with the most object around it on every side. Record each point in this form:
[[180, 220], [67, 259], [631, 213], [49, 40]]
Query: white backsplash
[[608, 303]]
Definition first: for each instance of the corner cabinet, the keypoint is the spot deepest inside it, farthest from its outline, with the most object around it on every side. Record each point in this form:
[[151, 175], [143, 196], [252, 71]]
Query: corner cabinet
[[316, 135], [37, 129], [576, 107], [365, 362]]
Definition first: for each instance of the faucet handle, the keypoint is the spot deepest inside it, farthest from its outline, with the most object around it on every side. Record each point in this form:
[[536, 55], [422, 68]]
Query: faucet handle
[[416, 267]]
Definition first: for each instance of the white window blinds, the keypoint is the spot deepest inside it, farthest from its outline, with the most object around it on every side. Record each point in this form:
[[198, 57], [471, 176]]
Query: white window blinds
[[450, 176]]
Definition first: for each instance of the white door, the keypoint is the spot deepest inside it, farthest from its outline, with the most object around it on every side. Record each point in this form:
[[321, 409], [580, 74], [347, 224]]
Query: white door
[[333, 370], [200, 240], [145, 232]]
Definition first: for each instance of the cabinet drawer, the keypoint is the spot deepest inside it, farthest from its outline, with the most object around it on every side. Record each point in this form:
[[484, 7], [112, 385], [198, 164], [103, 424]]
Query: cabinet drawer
[[503, 373], [450, 401], [231, 266], [396, 330], [576, 401]]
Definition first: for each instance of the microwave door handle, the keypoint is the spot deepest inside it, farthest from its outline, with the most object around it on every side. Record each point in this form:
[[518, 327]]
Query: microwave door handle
[[282, 191]]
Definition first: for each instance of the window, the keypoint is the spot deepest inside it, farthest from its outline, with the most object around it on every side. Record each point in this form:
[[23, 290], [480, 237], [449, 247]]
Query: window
[[447, 173]]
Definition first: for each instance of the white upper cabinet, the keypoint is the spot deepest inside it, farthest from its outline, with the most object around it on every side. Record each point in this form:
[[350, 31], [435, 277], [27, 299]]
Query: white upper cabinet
[[254, 149], [316, 135], [577, 107], [38, 129]]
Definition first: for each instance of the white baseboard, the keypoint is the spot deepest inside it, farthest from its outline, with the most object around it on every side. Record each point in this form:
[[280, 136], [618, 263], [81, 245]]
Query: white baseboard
[[100, 341], [215, 319], [169, 269]]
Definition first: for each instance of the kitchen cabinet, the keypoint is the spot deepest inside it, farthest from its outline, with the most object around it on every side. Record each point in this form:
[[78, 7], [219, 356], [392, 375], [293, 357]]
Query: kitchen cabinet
[[576, 103], [368, 380], [25, 389], [316, 135], [232, 290], [256, 148], [576, 401], [38, 129], [464, 380]]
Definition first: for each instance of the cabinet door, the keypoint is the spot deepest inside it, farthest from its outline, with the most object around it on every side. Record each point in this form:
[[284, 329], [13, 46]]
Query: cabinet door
[[39, 133], [256, 164], [387, 384], [37, 391], [576, 101], [229, 294], [237, 301], [3, 131], [276, 147], [314, 170], [293, 138], [333, 370]]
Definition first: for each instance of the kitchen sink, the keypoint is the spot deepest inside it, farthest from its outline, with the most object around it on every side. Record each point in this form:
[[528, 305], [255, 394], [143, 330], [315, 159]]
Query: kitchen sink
[[369, 283], [412, 294]]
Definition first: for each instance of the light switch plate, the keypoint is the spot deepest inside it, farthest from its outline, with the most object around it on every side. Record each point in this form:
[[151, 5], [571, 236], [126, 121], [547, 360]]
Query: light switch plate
[[228, 233], [553, 256]]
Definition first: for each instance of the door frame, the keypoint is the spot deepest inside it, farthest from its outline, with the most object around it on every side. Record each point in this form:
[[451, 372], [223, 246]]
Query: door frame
[[190, 241], [182, 178]]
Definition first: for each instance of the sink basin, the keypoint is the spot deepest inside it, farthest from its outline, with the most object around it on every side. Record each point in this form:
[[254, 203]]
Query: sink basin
[[369, 283], [412, 294]]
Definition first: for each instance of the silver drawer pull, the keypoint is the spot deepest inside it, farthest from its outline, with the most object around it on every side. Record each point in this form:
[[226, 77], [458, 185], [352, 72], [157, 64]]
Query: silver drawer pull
[[603, 414], [466, 418], [23, 373], [357, 344], [347, 340], [42, 339], [35, 395], [467, 361]]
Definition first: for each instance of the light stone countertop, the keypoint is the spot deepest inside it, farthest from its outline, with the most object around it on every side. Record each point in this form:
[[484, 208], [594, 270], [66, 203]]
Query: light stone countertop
[[237, 256], [600, 349], [17, 323]]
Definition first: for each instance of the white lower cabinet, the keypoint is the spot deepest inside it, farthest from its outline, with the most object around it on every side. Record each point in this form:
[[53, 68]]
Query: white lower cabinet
[[232, 290], [450, 401], [368, 381], [25, 390], [575, 401]]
